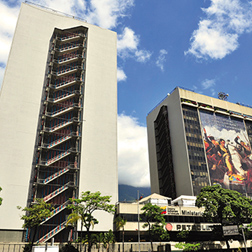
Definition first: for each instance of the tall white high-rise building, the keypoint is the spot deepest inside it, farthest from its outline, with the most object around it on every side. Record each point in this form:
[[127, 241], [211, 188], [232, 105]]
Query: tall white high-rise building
[[58, 119]]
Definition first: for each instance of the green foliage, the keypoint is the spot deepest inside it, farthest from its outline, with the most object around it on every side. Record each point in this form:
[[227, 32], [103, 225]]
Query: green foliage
[[246, 230], [84, 207], [152, 213], [99, 240], [159, 233], [223, 204], [36, 213], [155, 223], [109, 238], [27, 247], [68, 248], [183, 234], [120, 222], [1, 200], [188, 246], [93, 239]]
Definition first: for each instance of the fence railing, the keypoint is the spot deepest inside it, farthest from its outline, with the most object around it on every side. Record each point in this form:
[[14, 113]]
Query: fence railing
[[132, 247]]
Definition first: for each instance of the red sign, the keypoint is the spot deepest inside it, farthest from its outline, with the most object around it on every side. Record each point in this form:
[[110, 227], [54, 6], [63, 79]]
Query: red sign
[[168, 226]]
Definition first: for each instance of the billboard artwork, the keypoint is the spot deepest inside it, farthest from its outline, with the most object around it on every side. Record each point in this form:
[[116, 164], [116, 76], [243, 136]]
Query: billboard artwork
[[228, 151]]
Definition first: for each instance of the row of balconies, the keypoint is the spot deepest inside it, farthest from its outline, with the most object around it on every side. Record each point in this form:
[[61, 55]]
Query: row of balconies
[[67, 48]]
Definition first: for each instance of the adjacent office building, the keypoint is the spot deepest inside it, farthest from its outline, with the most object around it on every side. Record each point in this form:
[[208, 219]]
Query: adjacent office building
[[195, 141], [58, 120], [179, 214]]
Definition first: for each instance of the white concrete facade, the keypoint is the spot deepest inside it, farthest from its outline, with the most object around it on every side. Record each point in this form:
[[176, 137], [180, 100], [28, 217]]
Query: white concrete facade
[[20, 101], [178, 142]]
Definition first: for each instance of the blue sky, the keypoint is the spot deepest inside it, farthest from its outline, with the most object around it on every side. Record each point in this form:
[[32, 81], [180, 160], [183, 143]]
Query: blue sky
[[202, 45]]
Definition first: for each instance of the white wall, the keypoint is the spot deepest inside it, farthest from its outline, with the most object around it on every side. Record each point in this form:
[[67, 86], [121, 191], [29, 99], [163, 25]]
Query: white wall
[[20, 100], [178, 142]]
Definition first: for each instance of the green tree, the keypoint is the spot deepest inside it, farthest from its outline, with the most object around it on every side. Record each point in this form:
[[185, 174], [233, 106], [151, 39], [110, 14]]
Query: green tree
[[120, 223], [68, 248], [1, 200], [108, 239], [35, 214], [84, 208], [224, 206], [155, 222], [99, 240], [183, 235], [188, 246], [93, 239]]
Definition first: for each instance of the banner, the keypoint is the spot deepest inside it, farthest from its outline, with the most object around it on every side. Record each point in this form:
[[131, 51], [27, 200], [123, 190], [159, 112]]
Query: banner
[[228, 151]]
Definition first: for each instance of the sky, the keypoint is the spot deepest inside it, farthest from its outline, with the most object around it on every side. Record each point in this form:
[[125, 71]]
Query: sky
[[201, 45]]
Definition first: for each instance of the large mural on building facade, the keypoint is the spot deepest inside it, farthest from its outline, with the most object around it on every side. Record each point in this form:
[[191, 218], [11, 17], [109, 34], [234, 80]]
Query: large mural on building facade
[[228, 151]]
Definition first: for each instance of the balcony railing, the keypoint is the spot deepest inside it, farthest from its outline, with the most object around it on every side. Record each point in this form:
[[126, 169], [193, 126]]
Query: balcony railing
[[52, 233], [63, 110], [65, 96], [56, 211], [60, 125], [58, 191], [55, 175]]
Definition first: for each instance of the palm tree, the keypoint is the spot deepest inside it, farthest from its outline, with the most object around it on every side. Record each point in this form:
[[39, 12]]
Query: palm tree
[[108, 239], [84, 208], [77, 215], [120, 223], [100, 238]]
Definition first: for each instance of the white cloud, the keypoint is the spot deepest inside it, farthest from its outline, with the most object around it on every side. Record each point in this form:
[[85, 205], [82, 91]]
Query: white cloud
[[213, 91], [64, 6], [208, 83], [142, 55], [132, 152], [105, 13], [217, 34], [121, 76], [195, 87], [127, 40], [161, 59], [127, 46]]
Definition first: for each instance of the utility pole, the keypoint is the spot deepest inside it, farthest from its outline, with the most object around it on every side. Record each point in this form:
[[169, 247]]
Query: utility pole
[[138, 221]]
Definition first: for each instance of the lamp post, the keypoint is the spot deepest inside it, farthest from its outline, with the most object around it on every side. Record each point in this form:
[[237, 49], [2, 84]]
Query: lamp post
[[244, 239], [138, 221]]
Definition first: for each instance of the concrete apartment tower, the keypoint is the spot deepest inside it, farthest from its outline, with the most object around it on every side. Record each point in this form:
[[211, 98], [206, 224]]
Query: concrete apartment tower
[[195, 141], [58, 120]]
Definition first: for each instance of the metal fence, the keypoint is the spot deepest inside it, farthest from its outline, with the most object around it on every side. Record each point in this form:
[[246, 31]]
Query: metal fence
[[129, 247], [117, 247]]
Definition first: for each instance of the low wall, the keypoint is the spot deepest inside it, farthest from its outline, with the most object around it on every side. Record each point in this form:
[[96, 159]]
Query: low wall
[[135, 247]]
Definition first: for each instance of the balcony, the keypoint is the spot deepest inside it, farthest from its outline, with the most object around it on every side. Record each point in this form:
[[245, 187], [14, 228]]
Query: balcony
[[54, 176], [55, 143], [63, 97], [68, 59], [63, 72], [58, 191], [67, 48], [52, 233], [70, 37], [60, 125], [56, 211]]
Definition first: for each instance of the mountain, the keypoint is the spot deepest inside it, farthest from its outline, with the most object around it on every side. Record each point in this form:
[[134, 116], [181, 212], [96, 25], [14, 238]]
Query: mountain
[[129, 193]]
